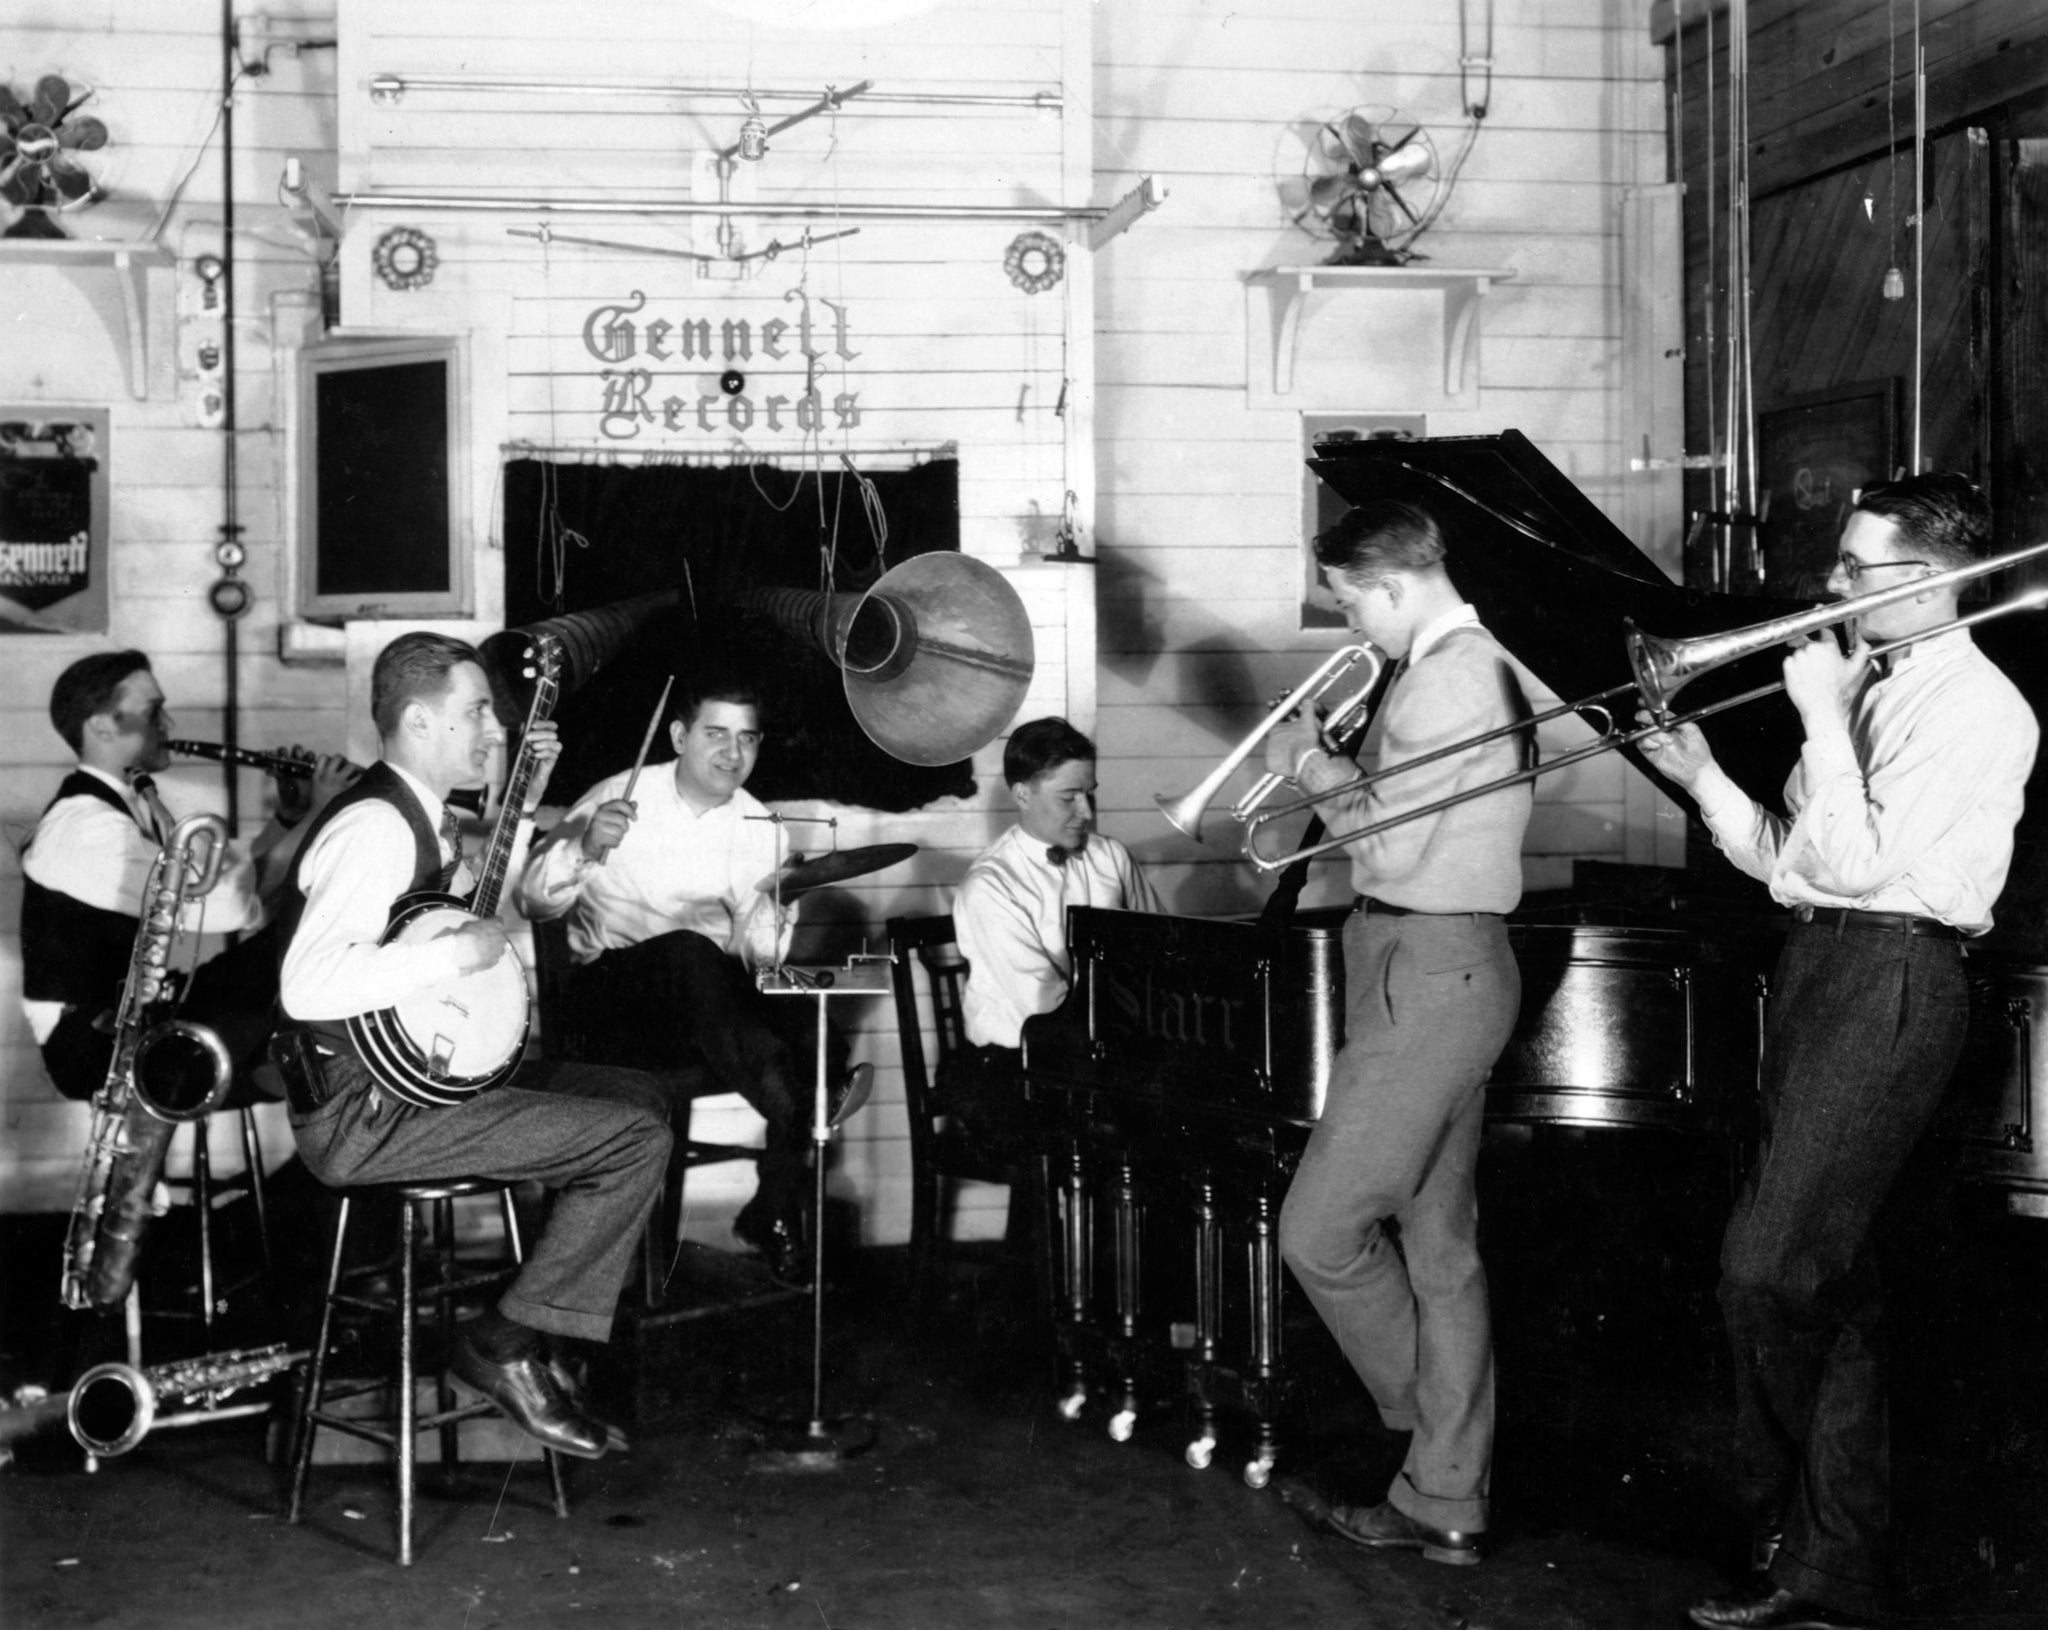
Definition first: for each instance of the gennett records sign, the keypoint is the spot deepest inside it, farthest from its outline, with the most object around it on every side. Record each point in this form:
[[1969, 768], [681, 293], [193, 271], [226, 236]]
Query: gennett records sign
[[655, 360]]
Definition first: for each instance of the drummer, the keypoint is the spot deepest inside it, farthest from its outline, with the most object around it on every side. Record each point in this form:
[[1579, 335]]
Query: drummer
[[667, 925]]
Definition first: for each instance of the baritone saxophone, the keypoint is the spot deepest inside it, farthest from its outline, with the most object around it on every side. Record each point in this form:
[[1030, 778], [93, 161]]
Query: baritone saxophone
[[164, 1071]]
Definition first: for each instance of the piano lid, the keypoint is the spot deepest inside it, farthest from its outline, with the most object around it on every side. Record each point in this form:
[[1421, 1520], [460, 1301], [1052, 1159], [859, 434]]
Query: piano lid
[[1556, 580]]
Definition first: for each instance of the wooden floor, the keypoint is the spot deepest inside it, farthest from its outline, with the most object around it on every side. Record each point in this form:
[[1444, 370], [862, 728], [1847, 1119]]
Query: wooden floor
[[975, 1504]]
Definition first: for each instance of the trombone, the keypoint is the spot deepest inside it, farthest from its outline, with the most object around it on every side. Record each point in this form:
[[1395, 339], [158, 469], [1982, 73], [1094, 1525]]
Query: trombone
[[1186, 812], [1662, 668]]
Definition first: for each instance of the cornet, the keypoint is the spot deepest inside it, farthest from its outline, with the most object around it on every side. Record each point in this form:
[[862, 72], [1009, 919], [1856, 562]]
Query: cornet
[[1186, 811]]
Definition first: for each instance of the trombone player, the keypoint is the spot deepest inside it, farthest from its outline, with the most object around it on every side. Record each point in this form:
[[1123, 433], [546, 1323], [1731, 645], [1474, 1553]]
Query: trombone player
[[1432, 992], [1894, 844]]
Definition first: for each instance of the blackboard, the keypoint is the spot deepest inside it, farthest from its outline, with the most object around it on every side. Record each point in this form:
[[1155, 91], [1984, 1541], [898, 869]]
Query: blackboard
[[379, 511], [1816, 453]]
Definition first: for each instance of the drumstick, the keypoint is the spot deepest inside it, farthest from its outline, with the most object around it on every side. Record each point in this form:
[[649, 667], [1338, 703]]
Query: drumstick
[[646, 742]]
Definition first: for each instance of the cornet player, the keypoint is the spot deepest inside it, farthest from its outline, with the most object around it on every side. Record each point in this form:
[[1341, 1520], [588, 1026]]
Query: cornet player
[[90, 856], [1432, 991], [1896, 836]]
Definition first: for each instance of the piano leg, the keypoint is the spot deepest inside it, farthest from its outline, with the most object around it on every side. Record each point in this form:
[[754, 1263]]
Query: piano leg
[[1263, 1248], [1124, 1223], [1077, 1248], [1208, 1317]]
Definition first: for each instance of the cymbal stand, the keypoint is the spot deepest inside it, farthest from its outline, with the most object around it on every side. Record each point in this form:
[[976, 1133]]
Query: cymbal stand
[[824, 1441]]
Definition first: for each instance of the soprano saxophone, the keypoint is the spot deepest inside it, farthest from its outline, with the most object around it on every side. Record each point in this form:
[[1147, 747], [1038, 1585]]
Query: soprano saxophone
[[111, 1407], [153, 1079]]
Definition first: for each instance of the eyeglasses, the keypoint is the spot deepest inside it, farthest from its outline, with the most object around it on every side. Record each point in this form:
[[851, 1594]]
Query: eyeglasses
[[1854, 569]]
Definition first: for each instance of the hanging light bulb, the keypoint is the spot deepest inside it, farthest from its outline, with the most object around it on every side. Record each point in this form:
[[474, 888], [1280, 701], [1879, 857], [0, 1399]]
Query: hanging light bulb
[[1894, 283], [753, 133]]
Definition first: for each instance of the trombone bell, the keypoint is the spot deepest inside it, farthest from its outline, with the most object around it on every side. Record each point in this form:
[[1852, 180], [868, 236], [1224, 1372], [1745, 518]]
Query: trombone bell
[[1663, 667]]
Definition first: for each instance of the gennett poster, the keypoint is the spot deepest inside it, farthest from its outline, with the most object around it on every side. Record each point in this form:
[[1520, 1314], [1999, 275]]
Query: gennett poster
[[53, 520]]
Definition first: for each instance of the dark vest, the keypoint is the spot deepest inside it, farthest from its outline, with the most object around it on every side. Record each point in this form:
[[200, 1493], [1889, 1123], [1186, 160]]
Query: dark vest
[[384, 784], [70, 951]]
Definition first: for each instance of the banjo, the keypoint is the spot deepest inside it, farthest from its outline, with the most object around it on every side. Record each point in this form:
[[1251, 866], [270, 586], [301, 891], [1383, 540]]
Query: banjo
[[453, 1041]]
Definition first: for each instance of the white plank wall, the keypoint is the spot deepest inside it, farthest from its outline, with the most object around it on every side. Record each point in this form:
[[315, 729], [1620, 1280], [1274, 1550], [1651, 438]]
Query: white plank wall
[[1201, 502], [156, 72], [1191, 499]]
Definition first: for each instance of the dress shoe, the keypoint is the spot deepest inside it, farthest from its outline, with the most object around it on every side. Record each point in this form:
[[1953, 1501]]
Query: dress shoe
[[781, 1246], [852, 1092], [566, 1378], [1386, 1527], [1761, 1605], [527, 1391]]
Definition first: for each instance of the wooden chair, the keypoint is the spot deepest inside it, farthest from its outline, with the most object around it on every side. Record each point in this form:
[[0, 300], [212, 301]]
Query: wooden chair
[[943, 1152]]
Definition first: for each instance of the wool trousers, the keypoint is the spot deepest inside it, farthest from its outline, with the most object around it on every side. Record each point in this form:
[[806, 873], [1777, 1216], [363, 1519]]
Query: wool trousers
[[595, 1136], [678, 1000], [1863, 1029], [1429, 1003]]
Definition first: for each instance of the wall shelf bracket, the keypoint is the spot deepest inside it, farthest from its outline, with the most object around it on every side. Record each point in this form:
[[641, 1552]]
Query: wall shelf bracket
[[130, 264], [1461, 288]]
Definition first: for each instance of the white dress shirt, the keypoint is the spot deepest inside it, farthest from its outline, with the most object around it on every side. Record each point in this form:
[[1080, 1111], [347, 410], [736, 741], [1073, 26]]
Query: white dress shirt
[[85, 848], [1914, 813], [353, 872], [1010, 920], [674, 869]]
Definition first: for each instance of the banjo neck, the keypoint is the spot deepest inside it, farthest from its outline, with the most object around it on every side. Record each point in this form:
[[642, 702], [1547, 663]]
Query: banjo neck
[[497, 858]]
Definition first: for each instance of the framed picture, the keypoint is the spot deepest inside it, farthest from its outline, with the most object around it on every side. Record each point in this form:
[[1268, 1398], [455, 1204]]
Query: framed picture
[[1320, 506], [53, 520], [1815, 454]]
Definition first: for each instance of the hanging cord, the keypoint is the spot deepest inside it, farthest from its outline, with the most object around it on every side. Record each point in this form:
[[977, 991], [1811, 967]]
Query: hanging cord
[[552, 540], [1475, 111]]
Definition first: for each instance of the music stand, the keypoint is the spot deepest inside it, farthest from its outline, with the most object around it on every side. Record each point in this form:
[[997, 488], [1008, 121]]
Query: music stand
[[821, 1442]]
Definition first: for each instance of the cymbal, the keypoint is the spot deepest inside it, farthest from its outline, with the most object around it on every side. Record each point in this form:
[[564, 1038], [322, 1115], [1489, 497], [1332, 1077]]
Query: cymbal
[[800, 877]]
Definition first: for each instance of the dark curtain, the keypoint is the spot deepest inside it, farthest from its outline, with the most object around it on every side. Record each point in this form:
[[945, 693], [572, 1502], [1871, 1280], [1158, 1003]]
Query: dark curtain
[[579, 536]]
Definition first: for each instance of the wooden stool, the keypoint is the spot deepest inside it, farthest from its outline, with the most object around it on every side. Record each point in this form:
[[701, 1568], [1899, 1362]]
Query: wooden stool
[[348, 1288], [208, 1291]]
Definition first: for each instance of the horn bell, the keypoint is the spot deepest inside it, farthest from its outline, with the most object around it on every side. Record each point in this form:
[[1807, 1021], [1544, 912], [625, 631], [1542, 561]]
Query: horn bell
[[935, 658]]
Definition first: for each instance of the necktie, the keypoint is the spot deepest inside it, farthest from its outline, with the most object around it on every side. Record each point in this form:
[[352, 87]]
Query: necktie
[[451, 843], [159, 822]]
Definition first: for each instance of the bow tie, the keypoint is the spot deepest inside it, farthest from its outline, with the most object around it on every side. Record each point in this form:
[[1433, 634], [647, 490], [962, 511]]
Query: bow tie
[[1058, 854]]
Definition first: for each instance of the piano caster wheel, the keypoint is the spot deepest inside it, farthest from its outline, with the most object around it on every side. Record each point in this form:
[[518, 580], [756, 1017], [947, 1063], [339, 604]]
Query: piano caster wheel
[[1122, 1424], [1200, 1453], [1072, 1404], [1258, 1473]]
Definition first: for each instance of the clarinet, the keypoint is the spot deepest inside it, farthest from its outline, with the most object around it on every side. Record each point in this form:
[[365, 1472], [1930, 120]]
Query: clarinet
[[275, 763]]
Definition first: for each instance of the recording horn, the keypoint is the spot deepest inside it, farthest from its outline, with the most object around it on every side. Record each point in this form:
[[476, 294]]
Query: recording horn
[[936, 657], [588, 640]]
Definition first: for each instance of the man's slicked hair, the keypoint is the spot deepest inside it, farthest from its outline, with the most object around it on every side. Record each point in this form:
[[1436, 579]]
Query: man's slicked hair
[[413, 666], [88, 687], [1379, 536], [1042, 745], [1941, 516], [687, 703]]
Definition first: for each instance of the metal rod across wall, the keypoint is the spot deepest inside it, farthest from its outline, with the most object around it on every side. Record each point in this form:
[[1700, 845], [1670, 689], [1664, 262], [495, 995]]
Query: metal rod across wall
[[385, 87], [509, 204]]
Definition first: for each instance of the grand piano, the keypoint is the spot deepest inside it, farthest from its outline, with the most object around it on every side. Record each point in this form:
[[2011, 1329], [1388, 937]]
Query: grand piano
[[1177, 1085]]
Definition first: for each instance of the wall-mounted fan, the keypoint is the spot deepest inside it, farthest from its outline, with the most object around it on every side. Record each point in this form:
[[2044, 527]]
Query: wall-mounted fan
[[41, 171], [1370, 181]]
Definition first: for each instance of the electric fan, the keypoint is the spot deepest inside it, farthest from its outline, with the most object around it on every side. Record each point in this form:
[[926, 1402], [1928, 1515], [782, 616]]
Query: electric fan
[[1370, 182], [41, 172]]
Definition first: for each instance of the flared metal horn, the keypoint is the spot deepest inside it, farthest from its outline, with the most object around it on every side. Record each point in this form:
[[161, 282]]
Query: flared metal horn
[[935, 658]]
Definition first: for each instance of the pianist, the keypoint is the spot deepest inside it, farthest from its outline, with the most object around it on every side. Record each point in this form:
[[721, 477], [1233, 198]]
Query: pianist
[[1431, 996], [1011, 910], [1896, 836]]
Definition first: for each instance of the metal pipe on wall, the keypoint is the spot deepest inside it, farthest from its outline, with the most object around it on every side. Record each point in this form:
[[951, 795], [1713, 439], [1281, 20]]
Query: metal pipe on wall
[[230, 522], [390, 87], [524, 204]]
